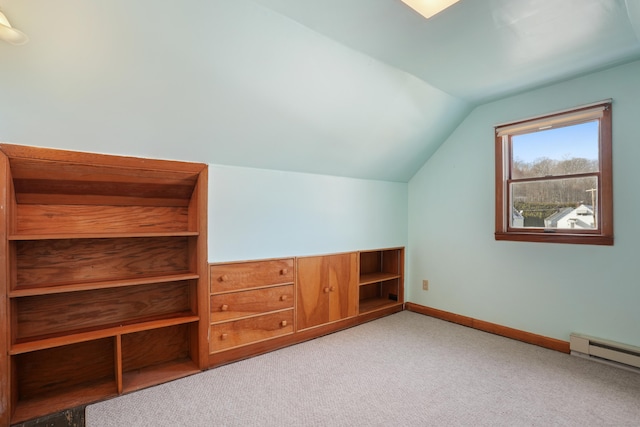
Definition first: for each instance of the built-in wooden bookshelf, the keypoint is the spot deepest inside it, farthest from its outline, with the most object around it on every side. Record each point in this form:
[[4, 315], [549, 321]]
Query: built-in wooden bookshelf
[[381, 279], [104, 277]]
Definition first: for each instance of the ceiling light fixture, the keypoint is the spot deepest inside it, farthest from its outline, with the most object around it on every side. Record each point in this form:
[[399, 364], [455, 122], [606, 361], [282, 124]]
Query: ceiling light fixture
[[428, 8], [10, 34]]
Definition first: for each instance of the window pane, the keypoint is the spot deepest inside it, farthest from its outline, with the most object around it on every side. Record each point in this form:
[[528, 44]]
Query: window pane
[[558, 203], [554, 152]]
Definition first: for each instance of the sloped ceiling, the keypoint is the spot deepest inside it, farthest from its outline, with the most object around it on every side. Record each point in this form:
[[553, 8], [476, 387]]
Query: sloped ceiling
[[481, 50], [360, 88]]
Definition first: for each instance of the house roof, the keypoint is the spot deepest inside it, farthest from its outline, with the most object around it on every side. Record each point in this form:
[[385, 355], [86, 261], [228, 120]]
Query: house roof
[[516, 214], [362, 88], [552, 220]]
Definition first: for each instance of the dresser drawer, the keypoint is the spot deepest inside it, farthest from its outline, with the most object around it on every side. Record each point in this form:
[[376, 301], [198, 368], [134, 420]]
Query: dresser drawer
[[246, 303], [245, 275], [239, 332]]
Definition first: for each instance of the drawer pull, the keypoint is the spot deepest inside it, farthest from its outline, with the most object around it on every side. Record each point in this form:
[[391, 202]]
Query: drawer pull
[[332, 288], [283, 298], [283, 323], [224, 307], [223, 278], [284, 271], [224, 336], [326, 290]]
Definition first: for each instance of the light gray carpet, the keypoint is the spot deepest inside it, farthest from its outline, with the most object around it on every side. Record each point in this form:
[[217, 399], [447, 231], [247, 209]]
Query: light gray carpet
[[403, 370]]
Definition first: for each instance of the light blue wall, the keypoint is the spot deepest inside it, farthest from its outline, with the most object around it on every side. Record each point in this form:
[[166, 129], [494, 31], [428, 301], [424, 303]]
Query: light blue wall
[[257, 213], [548, 289]]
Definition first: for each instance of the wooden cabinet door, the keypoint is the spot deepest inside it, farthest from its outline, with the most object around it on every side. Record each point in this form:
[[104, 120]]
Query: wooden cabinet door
[[327, 289], [313, 287], [343, 286]]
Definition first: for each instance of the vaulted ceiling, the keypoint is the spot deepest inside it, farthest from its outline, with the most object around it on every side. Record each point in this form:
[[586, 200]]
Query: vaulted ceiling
[[361, 88]]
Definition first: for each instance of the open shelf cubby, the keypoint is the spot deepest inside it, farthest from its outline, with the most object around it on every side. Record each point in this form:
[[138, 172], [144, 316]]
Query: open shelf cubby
[[158, 355], [381, 279], [57, 378]]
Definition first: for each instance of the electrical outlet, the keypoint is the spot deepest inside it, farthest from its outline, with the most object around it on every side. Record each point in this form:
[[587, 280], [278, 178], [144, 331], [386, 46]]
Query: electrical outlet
[[425, 285]]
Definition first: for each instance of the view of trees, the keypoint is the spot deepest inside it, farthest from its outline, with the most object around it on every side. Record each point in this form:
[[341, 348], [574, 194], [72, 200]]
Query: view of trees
[[537, 200]]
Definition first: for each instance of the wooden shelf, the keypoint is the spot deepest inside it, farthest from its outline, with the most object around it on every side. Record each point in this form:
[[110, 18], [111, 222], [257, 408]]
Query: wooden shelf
[[369, 278], [65, 236], [97, 333], [59, 401], [373, 304], [107, 284], [93, 260], [157, 374]]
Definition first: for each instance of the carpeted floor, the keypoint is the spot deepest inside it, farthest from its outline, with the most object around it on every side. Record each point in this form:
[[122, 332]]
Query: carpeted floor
[[403, 370]]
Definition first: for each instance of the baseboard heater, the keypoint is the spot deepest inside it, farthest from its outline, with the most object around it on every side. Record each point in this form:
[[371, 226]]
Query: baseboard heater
[[610, 352]]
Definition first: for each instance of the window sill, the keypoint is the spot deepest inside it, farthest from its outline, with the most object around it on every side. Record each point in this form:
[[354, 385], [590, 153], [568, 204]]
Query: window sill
[[540, 237]]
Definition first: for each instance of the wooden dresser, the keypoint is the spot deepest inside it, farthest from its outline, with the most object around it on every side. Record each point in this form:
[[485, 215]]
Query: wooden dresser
[[258, 306], [250, 302]]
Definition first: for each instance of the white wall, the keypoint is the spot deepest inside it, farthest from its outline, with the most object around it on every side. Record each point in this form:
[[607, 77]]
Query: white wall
[[548, 289], [257, 213]]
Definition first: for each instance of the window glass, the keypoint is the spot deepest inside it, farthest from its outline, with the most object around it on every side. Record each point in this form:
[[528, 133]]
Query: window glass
[[553, 203], [552, 152]]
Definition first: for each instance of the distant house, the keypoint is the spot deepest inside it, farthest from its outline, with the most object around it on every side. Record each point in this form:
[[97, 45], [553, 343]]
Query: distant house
[[580, 217], [517, 220]]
